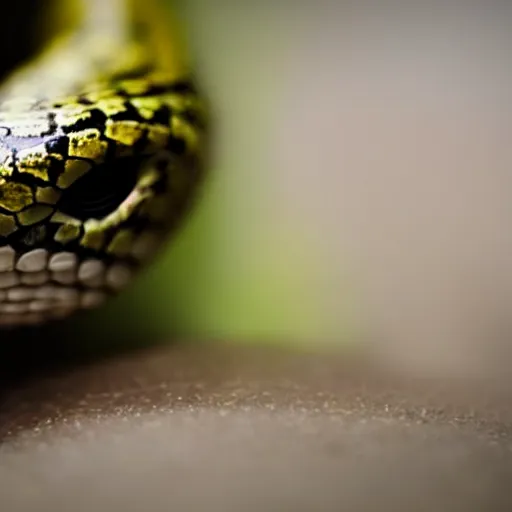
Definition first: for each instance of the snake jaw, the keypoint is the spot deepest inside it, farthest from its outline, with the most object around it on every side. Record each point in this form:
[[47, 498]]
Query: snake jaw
[[52, 266]]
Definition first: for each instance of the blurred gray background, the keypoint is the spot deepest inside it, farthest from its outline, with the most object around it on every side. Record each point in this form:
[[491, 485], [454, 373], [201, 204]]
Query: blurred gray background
[[362, 185]]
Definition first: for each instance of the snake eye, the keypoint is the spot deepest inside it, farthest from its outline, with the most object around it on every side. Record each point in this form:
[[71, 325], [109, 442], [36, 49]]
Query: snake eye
[[101, 191]]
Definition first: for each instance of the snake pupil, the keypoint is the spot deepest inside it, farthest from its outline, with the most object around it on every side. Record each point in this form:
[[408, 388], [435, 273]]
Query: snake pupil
[[101, 191]]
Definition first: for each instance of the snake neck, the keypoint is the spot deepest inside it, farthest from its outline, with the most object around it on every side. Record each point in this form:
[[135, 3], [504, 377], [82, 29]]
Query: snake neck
[[93, 41], [126, 21]]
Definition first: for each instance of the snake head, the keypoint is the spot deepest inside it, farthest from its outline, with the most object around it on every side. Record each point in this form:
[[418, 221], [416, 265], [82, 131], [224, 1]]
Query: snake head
[[87, 195]]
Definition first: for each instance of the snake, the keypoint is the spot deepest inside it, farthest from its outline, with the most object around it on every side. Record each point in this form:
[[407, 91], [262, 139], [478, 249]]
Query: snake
[[102, 153]]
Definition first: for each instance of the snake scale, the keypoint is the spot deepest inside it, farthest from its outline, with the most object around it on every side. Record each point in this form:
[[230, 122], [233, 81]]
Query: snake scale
[[101, 154]]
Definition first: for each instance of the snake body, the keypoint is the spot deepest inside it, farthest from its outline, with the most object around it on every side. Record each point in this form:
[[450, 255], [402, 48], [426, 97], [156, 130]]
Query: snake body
[[101, 154]]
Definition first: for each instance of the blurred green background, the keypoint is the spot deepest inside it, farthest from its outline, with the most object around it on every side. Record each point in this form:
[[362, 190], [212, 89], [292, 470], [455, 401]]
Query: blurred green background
[[242, 268]]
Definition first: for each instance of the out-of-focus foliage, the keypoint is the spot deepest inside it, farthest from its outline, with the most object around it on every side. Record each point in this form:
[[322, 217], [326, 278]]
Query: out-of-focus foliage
[[242, 267]]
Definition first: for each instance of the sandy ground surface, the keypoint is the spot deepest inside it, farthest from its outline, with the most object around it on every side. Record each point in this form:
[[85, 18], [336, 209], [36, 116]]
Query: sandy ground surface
[[229, 429]]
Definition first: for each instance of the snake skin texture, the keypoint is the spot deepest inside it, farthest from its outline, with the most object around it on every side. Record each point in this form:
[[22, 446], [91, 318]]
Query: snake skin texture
[[100, 158]]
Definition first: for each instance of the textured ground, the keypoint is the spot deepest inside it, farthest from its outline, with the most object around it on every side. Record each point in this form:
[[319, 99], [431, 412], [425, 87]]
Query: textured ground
[[222, 428]]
